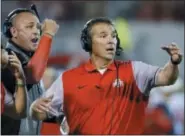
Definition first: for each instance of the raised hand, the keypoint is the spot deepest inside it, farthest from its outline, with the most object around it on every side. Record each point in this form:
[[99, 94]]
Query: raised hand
[[50, 27], [174, 52]]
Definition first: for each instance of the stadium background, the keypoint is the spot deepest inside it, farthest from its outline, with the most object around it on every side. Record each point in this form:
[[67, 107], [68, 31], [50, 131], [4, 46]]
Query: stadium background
[[142, 26]]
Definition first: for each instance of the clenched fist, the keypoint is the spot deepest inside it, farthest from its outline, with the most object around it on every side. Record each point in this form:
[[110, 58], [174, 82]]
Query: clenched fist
[[50, 27], [174, 52]]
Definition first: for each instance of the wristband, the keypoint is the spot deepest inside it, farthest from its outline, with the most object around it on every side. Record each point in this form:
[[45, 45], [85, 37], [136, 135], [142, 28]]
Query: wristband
[[20, 83], [175, 63], [48, 34]]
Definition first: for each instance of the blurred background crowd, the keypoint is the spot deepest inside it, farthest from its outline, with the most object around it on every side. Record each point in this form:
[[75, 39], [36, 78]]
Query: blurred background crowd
[[143, 27]]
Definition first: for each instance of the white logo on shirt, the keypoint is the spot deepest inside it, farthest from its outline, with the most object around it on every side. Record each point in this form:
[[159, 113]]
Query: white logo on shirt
[[118, 83]]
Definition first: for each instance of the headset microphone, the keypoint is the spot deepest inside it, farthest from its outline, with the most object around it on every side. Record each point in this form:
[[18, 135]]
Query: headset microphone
[[34, 8]]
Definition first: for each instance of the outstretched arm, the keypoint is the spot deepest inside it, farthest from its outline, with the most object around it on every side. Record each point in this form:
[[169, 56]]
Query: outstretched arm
[[169, 74], [50, 105]]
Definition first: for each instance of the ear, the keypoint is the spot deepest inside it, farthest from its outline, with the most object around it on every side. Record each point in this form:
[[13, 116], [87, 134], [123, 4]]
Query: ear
[[13, 31]]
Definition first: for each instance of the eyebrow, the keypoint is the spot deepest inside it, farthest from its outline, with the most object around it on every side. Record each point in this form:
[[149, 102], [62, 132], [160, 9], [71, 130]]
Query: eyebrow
[[31, 23], [114, 32]]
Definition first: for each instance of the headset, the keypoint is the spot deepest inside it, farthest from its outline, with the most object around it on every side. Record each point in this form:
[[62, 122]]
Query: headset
[[8, 21], [86, 40]]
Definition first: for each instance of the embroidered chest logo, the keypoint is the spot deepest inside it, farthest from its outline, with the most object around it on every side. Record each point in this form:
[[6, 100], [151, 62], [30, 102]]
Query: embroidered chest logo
[[117, 83]]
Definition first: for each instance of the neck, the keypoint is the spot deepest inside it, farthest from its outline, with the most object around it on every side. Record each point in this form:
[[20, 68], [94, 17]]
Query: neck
[[16, 44], [14, 40], [100, 63]]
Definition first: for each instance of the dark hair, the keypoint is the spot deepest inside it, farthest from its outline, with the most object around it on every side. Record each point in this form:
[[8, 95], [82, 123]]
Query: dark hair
[[86, 40]]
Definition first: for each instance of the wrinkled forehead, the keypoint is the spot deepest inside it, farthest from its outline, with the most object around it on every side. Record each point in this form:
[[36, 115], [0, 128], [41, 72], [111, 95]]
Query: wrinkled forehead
[[24, 18], [102, 28]]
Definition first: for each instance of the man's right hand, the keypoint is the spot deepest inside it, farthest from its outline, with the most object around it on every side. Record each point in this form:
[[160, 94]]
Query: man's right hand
[[15, 66], [42, 105], [50, 27]]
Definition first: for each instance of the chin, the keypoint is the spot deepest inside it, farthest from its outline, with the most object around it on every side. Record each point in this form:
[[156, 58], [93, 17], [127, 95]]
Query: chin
[[33, 48], [109, 57]]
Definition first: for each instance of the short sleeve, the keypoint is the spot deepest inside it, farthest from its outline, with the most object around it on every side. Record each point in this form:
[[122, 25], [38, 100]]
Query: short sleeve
[[56, 90], [145, 75]]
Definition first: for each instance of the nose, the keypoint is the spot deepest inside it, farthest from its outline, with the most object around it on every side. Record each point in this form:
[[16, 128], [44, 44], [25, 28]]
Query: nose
[[111, 40], [36, 30]]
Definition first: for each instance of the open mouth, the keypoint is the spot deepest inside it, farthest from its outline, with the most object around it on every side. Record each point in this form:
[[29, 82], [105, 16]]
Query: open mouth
[[35, 41], [110, 49]]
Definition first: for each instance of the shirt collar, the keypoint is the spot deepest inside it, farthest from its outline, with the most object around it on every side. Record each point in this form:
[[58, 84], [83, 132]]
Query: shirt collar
[[13, 45], [89, 67]]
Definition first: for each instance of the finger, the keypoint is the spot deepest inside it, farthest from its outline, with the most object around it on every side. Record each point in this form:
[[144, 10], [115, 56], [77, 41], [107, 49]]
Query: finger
[[171, 47], [45, 104], [46, 100], [13, 53], [170, 50], [181, 54], [164, 47], [13, 60], [174, 44], [14, 65], [43, 109], [50, 96], [14, 57], [42, 26], [175, 52], [40, 110]]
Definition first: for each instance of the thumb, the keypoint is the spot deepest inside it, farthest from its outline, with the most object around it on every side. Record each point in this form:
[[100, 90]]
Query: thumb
[[50, 96], [42, 26], [164, 47], [13, 53]]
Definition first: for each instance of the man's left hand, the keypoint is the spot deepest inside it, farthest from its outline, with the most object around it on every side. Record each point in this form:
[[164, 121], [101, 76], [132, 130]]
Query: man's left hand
[[174, 52]]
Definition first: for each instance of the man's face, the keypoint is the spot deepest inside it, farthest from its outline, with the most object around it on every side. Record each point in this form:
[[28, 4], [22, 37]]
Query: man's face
[[25, 31], [104, 40], [4, 58]]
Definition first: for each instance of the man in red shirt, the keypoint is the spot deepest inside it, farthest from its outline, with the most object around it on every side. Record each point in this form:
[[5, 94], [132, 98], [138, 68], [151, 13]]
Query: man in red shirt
[[104, 96]]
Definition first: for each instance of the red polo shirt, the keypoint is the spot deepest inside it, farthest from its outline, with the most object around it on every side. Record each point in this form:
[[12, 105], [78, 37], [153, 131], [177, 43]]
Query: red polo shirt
[[94, 103]]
